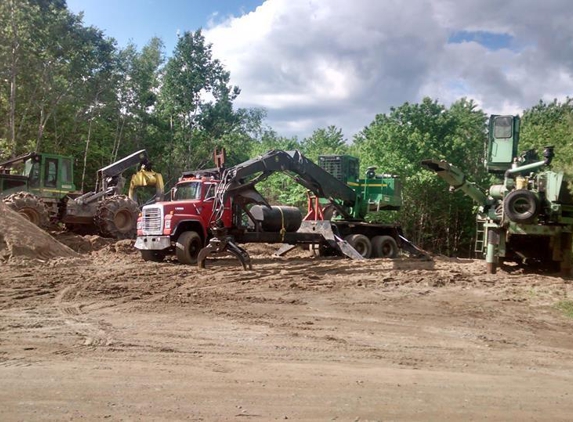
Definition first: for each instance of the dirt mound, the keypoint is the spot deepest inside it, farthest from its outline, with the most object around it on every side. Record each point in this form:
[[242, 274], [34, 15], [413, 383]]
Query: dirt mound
[[83, 244], [21, 239], [123, 247]]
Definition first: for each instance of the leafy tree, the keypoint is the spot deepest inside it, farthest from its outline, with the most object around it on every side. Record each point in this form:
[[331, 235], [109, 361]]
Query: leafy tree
[[19, 29], [279, 189], [137, 96], [397, 142], [60, 75], [550, 124], [325, 141], [197, 100]]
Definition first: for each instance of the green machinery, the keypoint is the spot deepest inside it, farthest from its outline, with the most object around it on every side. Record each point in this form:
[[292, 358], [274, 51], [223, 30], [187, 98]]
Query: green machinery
[[40, 187], [33, 184], [528, 214], [375, 192]]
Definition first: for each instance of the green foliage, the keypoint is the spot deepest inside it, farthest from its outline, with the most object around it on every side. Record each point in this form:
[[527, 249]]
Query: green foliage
[[550, 124], [397, 142], [279, 189], [197, 101], [329, 141]]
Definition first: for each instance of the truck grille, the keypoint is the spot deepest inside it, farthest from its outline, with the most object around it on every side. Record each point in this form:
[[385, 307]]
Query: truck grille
[[152, 220]]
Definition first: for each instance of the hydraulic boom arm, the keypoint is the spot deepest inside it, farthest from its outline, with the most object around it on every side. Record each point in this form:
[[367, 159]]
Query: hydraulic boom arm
[[305, 172], [456, 179]]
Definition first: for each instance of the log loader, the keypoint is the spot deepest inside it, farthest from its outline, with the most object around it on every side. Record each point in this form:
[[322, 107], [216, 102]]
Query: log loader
[[214, 211]]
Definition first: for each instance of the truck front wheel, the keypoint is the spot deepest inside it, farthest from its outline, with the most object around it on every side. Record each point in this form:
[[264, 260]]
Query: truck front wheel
[[188, 246]]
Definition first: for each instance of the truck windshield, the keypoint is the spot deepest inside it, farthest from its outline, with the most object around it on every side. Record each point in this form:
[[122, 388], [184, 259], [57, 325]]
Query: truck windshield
[[190, 190]]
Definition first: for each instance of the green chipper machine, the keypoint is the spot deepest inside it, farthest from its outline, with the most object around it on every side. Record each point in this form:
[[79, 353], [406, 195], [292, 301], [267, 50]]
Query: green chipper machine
[[527, 216]]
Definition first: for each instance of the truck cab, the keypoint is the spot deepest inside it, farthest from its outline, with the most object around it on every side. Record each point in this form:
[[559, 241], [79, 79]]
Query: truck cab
[[182, 224]]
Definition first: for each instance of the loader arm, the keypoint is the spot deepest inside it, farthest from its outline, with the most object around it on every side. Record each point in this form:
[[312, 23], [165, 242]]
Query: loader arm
[[111, 176], [454, 177], [236, 184]]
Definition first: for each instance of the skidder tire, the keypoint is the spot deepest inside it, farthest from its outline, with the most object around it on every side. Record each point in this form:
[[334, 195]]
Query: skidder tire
[[384, 247], [116, 217], [187, 247], [521, 206], [361, 243], [30, 207], [154, 256]]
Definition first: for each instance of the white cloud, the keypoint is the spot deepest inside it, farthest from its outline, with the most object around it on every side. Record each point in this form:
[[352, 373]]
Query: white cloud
[[313, 63]]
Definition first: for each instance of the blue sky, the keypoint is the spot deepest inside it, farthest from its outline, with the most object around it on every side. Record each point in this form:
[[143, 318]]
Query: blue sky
[[491, 41], [315, 63], [140, 20]]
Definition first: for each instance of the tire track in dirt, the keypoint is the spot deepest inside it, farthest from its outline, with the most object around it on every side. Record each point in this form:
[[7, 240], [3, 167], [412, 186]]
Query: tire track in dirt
[[93, 332]]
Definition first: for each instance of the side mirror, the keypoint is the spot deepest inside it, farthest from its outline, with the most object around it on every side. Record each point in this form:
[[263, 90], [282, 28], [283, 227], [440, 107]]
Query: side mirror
[[173, 192]]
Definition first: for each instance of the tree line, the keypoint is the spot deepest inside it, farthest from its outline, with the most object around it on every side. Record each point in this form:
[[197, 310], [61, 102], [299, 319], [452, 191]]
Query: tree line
[[67, 88]]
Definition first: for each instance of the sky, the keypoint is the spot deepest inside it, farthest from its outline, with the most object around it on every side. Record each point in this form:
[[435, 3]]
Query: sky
[[315, 63]]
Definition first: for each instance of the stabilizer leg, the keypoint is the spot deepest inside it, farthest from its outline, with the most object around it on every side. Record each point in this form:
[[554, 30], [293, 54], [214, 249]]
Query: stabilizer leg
[[284, 249], [347, 249]]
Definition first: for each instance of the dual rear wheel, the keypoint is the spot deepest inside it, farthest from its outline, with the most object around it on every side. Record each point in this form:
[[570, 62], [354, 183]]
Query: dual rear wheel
[[379, 247]]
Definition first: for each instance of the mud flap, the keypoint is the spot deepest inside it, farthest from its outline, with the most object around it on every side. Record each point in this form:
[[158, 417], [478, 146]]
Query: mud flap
[[227, 245]]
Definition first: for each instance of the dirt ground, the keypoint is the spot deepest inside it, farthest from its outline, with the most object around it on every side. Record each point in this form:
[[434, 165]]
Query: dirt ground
[[105, 336]]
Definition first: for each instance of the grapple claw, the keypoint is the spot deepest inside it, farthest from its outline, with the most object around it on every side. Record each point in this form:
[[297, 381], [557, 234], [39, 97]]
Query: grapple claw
[[224, 244]]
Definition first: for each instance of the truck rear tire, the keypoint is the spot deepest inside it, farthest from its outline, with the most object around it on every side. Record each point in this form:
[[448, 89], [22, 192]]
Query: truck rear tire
[[153, 256], [187, 247], [361, 243], [384, 247], [116, 217], [30, 207]]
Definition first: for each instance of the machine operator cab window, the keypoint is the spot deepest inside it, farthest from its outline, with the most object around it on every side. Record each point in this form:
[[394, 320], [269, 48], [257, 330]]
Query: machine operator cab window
[[503, 127], [67, 176], [32, 170], [51, 173]]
